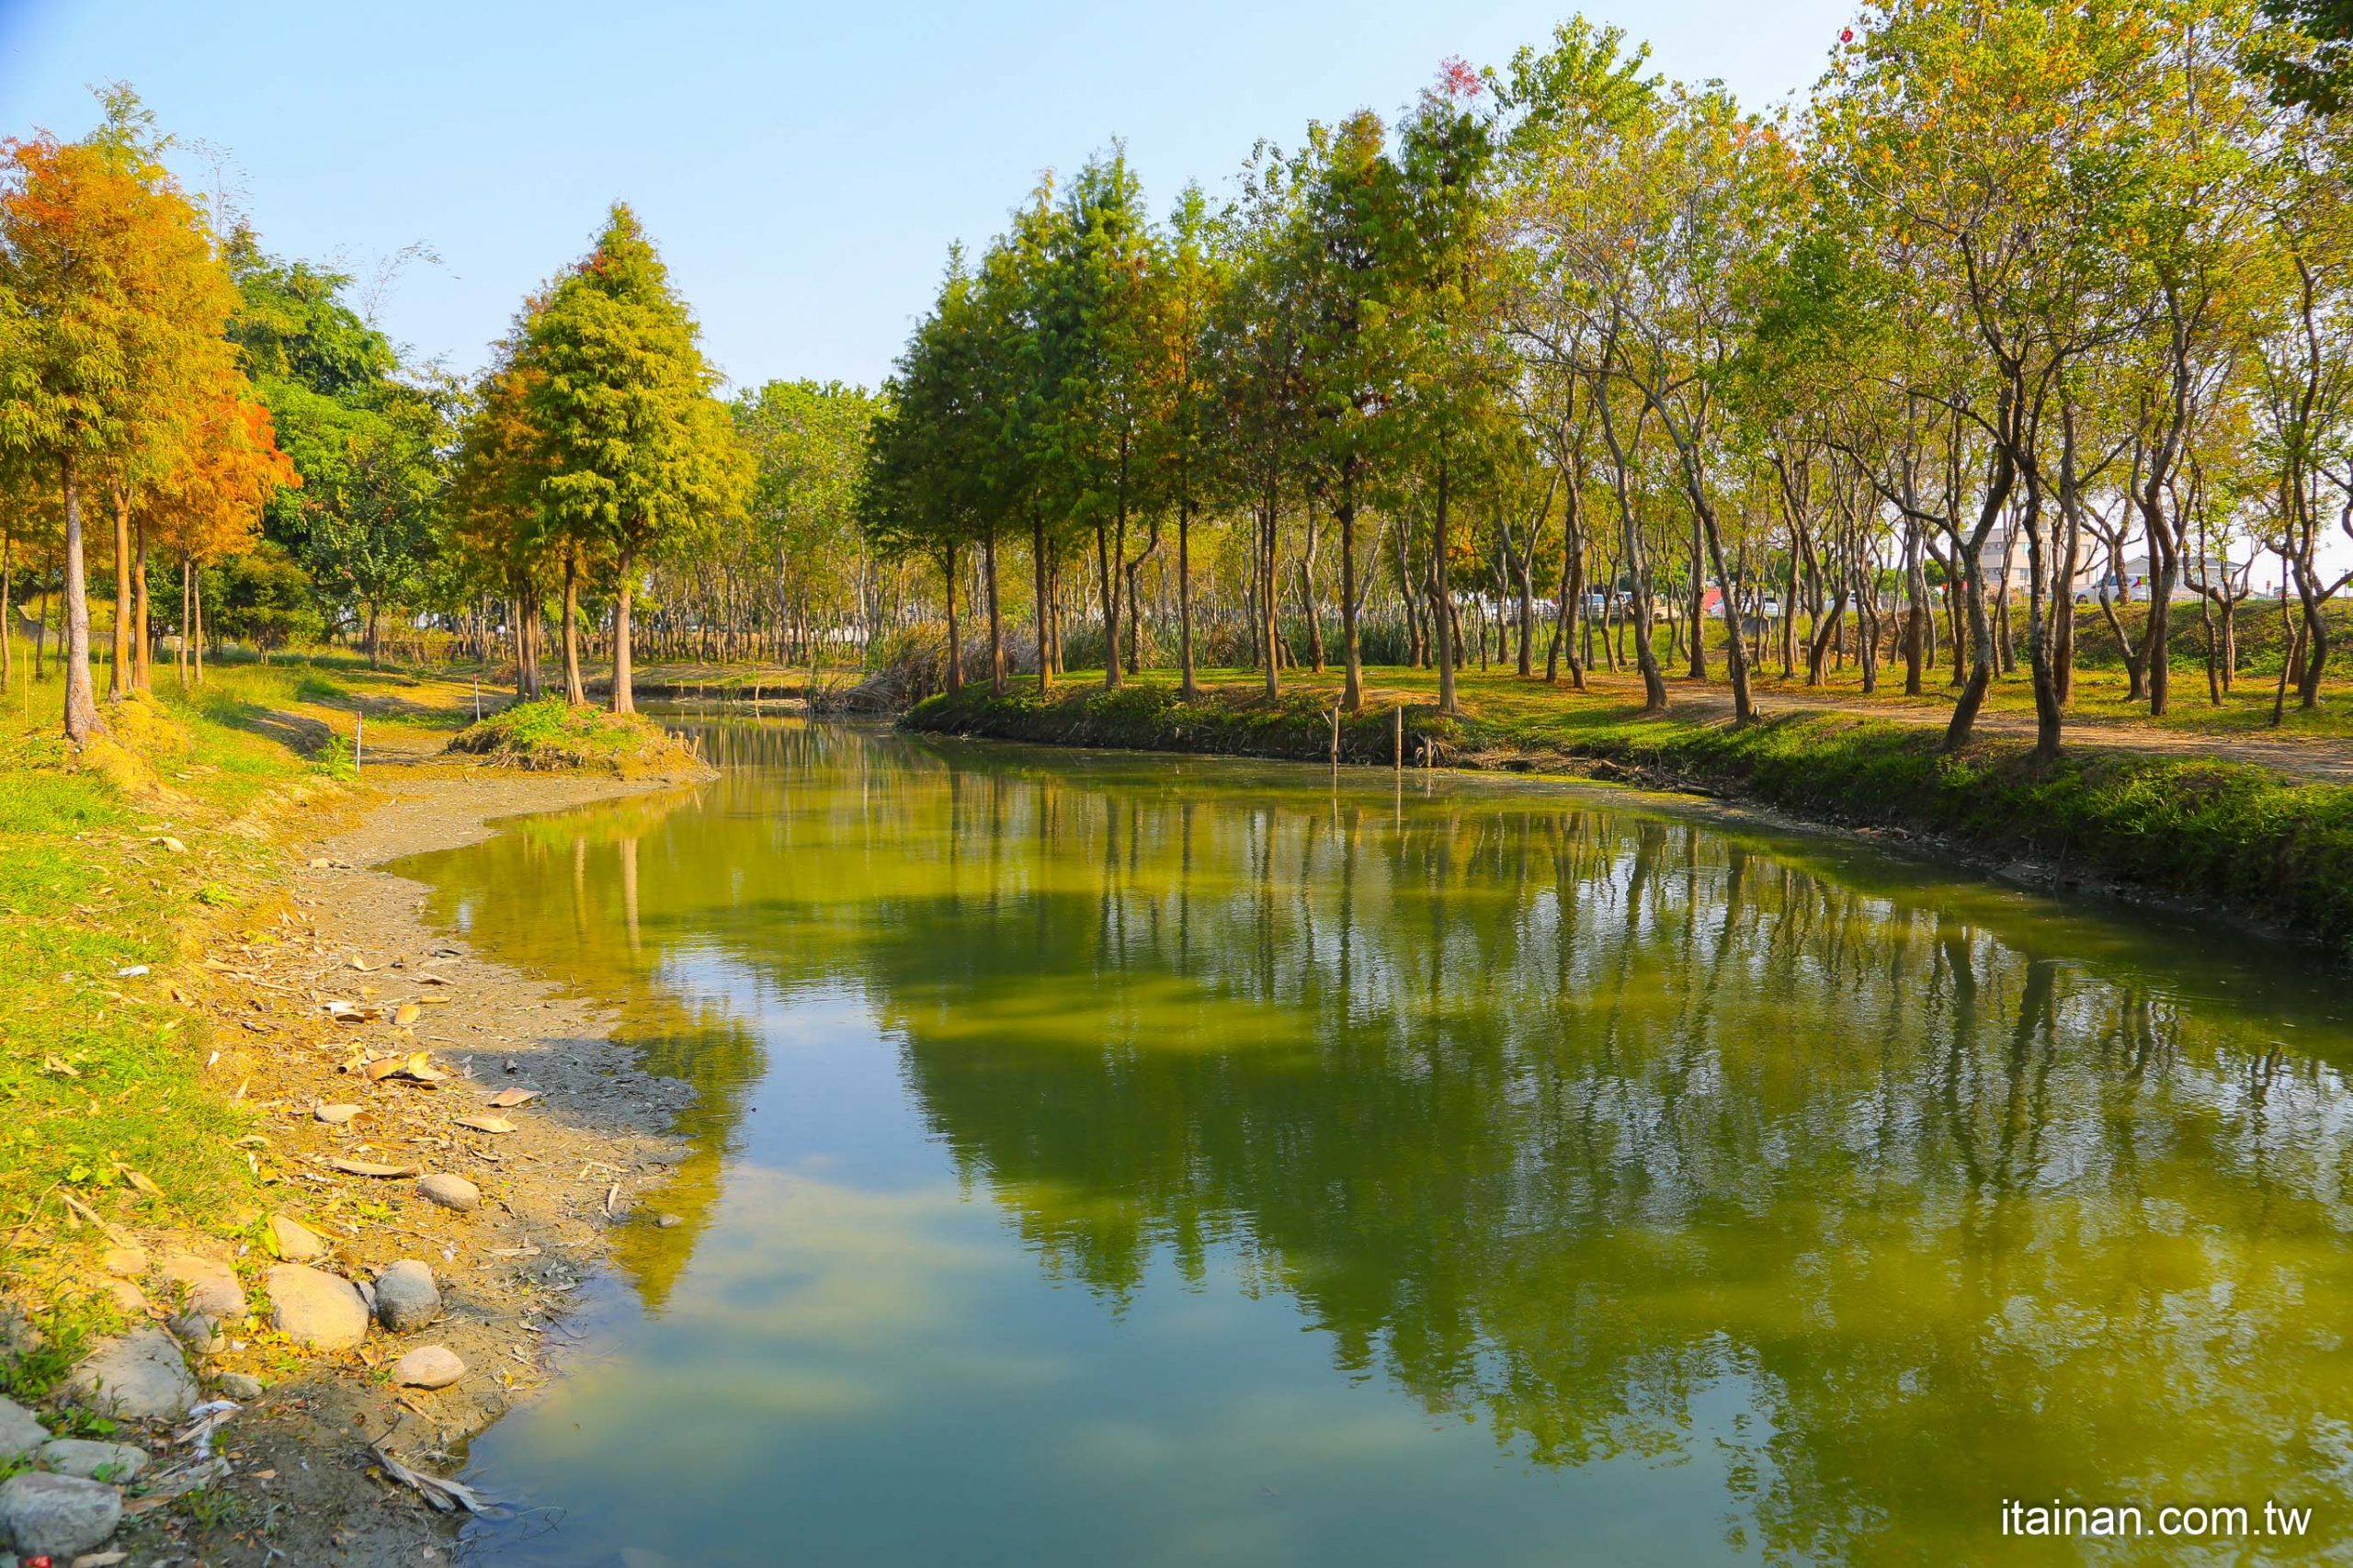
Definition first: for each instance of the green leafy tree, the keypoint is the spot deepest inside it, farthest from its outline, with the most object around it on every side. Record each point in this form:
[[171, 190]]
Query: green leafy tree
[[641, 455]]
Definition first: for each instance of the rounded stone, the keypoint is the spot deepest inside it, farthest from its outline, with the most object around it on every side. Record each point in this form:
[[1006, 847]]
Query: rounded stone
[[118, 1464], [296, 1242], [139, 1377], [406, 1296], [57, 1515], [240, 1386], [314, 1309], [450, 1191], [199, 1332], [129, 1263], [428, 1367], [210, 1287], [20, 1434]]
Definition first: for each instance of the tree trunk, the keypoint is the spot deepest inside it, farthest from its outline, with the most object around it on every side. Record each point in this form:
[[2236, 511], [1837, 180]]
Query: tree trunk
[[1185, 687], [1111, 609], [1442, 593], [118, 665], [82, 721], [996, 624], [1268, 517], [142, 675], [624, 687], [2042, 628], [1351, 652], [1735, 655], [955, 636], [574, 693], [1045, 607], [1968, 556]]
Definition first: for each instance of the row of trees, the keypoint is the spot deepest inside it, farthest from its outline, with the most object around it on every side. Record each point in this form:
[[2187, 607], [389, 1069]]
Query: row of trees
[[120, 387], [2021, 288], [254, 439]]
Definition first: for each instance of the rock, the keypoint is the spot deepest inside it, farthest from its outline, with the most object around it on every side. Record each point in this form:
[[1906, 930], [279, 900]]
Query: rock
[[199, 1332], [125, 1294], [209, 1285], [118, 1464], [57, 1515], [668, 1222], [335, 1115], [19, 1433], [129, 1263], [314, 1309], [428, 1367], [242, 1387], [297, 1243], [407, 1296], [450, 1192], [141, 1377]]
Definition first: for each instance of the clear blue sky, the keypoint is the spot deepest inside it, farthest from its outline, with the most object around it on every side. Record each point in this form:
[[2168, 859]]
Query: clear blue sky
[[802, 168]]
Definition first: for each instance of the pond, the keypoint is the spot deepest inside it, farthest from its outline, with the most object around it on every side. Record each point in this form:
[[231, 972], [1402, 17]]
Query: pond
[[1149, 1160]]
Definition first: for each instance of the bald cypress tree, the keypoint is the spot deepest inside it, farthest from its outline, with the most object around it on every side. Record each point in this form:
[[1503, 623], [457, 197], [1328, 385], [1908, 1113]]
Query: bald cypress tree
[[640, 455]]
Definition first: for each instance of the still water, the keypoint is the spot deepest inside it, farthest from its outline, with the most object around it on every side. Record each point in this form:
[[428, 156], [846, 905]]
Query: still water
[[1118, 1159]]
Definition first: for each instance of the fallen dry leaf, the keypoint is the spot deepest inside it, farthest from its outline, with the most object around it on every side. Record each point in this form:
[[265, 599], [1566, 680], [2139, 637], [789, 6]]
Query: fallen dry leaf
[[407, 1014], [486, 1123], [369, 1168], [507, 1098], [335, 1115]]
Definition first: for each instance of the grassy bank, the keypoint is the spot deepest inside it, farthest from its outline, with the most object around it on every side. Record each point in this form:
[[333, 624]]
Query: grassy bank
[[2228, 835], [110, 875]]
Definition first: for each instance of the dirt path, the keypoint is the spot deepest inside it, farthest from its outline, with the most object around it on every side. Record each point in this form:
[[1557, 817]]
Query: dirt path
[[589, 1155]]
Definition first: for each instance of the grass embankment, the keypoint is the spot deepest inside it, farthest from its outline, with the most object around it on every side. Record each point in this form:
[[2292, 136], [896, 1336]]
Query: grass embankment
[[111, 873], [125, 870], [2228, 836], [550, 736]]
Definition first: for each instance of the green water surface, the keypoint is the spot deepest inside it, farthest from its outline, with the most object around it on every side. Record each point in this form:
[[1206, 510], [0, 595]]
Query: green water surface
[[1110, 1160]]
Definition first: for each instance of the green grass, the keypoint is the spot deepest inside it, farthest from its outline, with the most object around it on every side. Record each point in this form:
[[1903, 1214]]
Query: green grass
[[550, 734], [102, 1073], [2230, 836]]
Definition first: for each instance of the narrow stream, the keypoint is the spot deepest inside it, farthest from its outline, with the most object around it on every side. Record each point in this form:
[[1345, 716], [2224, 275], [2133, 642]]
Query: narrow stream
[[1152, 1161]]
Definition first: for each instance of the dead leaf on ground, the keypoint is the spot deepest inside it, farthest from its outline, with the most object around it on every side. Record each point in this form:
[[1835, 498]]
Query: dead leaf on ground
[[407, 1014], [486, 1123], [506, 1099], [369, 1168], [336, 1115]]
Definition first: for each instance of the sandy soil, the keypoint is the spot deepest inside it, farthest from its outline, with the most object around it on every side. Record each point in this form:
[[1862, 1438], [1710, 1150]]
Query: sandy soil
[[303, 1483]]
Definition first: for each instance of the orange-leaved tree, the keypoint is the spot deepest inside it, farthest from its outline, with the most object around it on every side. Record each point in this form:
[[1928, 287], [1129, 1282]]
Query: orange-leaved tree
[[117, 304], [208, 501]]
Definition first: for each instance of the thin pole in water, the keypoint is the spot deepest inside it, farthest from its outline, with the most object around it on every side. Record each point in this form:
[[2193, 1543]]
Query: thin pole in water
[[1336, 737], [1397, 733]]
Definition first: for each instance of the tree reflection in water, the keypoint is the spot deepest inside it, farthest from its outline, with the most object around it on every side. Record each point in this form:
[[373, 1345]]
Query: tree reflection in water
[[1553, 1106]]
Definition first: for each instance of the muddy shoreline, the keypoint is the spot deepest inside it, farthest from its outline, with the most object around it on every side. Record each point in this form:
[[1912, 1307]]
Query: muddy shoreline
[[303, 1481]]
